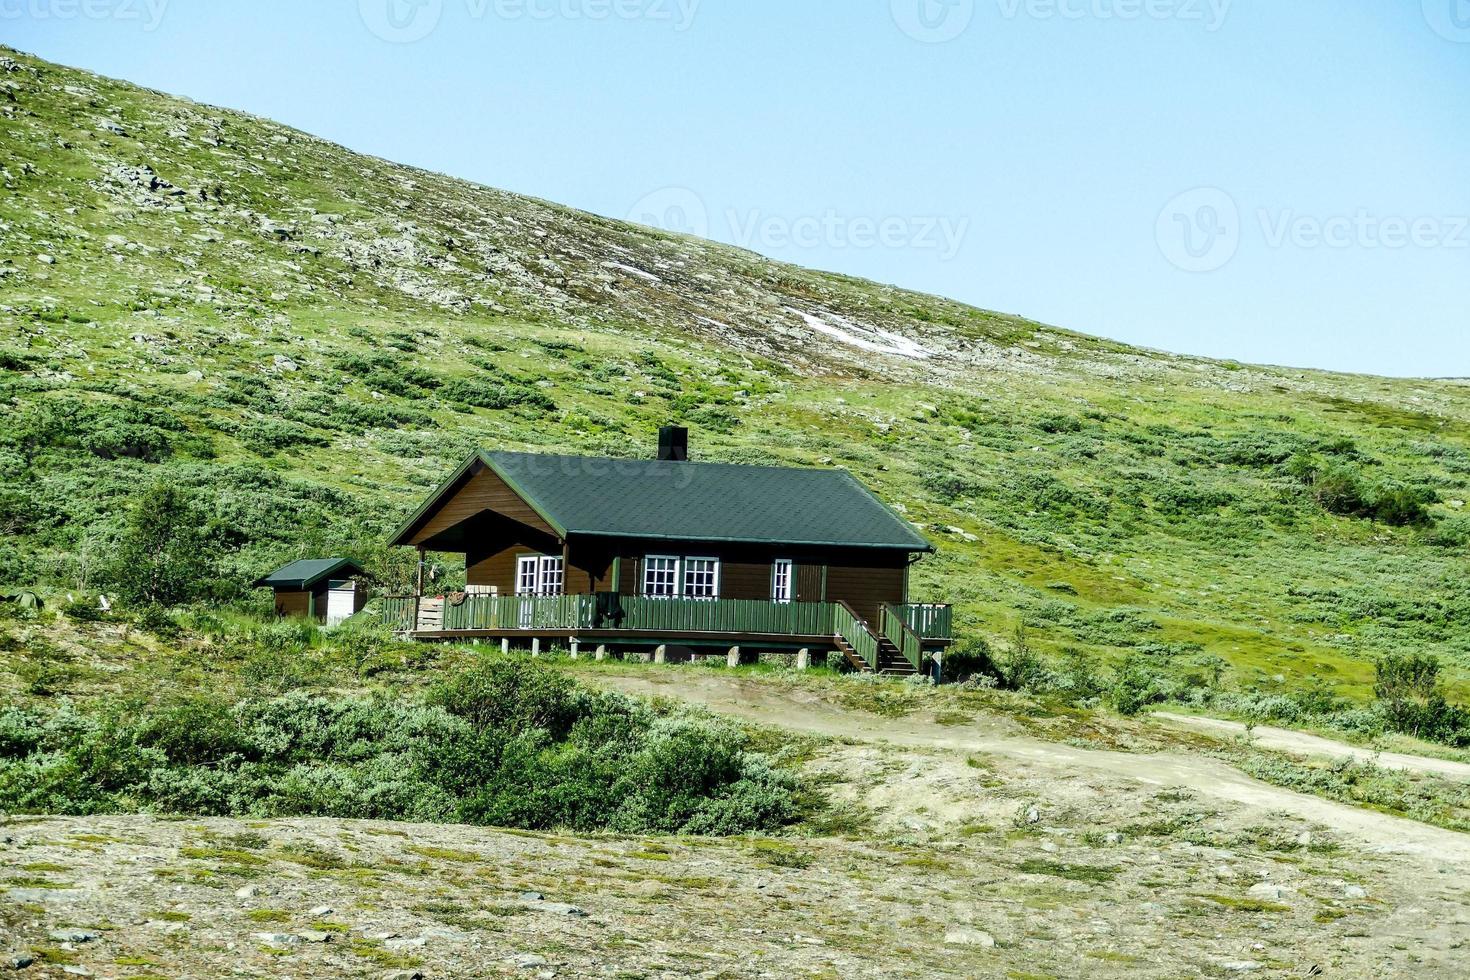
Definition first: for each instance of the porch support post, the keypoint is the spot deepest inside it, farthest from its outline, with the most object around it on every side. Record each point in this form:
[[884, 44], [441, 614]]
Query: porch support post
[[661, 655], [732, 659], [505, 644], [418, 591], [535, 646], [601, 651], [803, 659], [576, 654]]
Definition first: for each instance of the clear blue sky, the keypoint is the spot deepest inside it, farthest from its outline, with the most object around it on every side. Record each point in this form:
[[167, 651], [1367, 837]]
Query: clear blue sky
[[1321, 147]]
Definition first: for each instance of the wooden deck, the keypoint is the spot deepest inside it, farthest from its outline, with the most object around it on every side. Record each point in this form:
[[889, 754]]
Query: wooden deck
[[899, 643]]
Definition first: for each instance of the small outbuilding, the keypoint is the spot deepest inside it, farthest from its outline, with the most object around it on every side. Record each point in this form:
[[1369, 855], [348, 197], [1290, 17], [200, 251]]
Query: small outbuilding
[[327, 590]]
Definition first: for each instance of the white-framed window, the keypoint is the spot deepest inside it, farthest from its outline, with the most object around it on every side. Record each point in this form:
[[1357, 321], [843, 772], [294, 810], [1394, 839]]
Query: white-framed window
[[528, 575], [540, 575], [782, 585], [553, 576], [701, 578], [660, 576]]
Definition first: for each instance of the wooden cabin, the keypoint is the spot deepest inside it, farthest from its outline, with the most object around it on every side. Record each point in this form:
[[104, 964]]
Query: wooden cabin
[[327, 590], [672, 554]]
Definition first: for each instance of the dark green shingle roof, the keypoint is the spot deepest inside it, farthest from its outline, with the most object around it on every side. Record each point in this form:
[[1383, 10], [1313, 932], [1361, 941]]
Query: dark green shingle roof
[[580, 495], [307, 572]]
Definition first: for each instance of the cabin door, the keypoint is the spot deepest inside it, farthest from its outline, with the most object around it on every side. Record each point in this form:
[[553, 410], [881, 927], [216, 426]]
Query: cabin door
[[536, 576]]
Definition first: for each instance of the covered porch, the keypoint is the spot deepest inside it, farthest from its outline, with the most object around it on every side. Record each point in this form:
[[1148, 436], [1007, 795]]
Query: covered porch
[[905, 636]]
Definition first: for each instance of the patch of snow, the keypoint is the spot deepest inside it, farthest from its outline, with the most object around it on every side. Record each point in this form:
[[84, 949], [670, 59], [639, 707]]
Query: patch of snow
[[632, 271], [864, 337]]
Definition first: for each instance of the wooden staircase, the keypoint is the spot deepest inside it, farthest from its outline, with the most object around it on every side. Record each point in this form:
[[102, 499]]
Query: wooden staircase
[[891, 661]]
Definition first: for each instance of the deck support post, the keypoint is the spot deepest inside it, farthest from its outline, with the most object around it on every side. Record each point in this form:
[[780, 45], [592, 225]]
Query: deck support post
[[803, 660], [732, 659], [535, 646], [505, 644], [575, 652], [661, 655], [601, 651]]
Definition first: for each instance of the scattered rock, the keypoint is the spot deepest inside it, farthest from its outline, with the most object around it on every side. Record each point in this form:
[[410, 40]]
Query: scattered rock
[[1033, 815], [969, 937], [45, 259], [1049, 847], [249, 891], [1268, 891], [284, 363], [1355, 891], [1241, 966], [317, 936], [403, 975], [278, 938], [20, 961], [321, 911], [1114, 838], [74, 935], [527, 961], [418, 942], [532, 897], [77, 971], [560, 908]]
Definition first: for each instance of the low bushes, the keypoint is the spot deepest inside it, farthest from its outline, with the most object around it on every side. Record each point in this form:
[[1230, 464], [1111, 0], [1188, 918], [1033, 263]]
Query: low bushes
[[508, 743]]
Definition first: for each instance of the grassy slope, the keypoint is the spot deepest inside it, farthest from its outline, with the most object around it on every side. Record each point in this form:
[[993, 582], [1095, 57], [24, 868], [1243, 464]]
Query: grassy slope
[[1114, 496]]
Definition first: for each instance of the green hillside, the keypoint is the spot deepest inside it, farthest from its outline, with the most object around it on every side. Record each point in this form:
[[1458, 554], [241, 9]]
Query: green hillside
[[306, 340]]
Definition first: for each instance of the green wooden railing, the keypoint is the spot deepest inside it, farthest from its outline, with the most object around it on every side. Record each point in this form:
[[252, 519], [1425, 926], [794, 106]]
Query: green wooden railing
[[846, 624], [398, 612], [727, 616], [930, 622], [898, 631], [488, 612], [906, 626]]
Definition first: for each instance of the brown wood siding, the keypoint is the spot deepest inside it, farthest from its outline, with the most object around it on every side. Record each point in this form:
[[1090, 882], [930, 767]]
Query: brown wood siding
[[298, 604], [865, 580], [498, 568], [293, 604], [481, 492], [811, 582], [865, 588]]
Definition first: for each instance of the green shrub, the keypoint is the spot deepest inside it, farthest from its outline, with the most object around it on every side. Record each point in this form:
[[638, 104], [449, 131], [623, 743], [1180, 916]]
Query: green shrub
[[163, 557], [508, 743]]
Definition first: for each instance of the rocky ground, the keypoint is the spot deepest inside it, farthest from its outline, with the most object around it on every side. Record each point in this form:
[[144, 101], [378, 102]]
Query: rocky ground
[[932, 860]]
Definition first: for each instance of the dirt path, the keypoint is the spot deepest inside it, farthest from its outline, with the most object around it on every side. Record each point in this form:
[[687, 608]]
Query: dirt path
[[1286, 740], [803, 711]]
